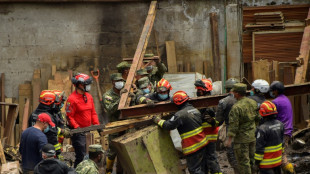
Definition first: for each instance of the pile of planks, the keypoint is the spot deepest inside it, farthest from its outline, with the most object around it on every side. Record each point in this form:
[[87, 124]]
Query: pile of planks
[[267, 21]]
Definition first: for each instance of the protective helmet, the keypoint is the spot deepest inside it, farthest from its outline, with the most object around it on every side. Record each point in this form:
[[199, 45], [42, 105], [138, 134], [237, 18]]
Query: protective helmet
[[261, 85], [180, 97], [60, 96], [163, 85], [277, 85], [203, 84], [267, 108], [81, 79], [47, 97], [230, 83]]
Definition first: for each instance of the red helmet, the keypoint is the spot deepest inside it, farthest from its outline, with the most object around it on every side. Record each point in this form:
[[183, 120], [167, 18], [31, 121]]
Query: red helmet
[[180, 97], [267, 108], [60, 96], [164, 85], [204, 84], [81, 78], [47, 97]]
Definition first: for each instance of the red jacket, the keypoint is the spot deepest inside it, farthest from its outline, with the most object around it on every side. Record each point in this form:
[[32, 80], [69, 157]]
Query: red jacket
[[80, 113]]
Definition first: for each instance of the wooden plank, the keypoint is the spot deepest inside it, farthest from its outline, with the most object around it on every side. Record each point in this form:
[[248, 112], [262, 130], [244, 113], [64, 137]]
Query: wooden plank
[[289, 75], [25, 115], [53, 70], [260, 70], [9, 128], [151, 144], [36, 87], [233, 41], [215, 46], [3, 115], [25, 91], [187, 67], [171, 57], [180, 66], [139, 54], [304, 53], [2, 156], [7, 100]]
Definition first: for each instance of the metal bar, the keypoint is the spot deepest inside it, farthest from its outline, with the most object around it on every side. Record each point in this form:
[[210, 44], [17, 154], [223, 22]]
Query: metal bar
[[200, 102], [139, 54]]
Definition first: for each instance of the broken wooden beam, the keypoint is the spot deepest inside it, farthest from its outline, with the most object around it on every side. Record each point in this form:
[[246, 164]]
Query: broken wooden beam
[[10, 123], [153, 146], [139, 54]]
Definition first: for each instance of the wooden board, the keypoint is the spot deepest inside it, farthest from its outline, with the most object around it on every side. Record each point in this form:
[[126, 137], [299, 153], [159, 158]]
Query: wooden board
[[9, 127], [233, 41], [25, 115], [2, 156], [153, 145], [289, 75], [3, 115], [36, 88], [215, 46], [260, 70], [24, 91], [171, 57]]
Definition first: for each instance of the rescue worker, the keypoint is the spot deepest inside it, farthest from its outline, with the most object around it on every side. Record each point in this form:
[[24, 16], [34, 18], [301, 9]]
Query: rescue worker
[[259, 88], [269, 139], [110, 102], [123, 68], [204, 88], [187, 120], [51, 165], [162, 93], [80, 110], [140, 74], [285, 115], [221, 116], [242, 117], [156, 72], [89, 166], [145, 88], [47, 105], [31, 142]]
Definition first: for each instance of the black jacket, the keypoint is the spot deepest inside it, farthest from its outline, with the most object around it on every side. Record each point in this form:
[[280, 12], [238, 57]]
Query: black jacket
[[259, 98], [52, 166], [224, 108]]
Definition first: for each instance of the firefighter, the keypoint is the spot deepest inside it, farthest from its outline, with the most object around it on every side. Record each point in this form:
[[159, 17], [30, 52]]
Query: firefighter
[[222, 113], [241, 129], [269, 139], [80, 110], [162, 93], [47, 105], [188, 122], [259, 88], [285, 115], [204, 88], [123, 68]]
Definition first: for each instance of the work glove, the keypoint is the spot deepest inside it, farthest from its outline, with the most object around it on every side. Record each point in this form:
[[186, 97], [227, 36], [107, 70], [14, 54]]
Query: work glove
[[156, 119], [123, 91], [150, 103], [61, 158], [66, 133]]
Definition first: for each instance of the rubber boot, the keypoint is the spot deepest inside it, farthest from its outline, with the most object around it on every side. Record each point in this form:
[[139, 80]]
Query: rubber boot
[[288, 169], [109, 167]]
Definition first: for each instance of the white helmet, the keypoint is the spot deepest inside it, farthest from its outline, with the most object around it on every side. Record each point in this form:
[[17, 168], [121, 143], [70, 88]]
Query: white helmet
[[261, 85]]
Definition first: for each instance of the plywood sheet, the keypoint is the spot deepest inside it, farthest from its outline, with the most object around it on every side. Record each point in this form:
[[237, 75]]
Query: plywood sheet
[[171, 57], [260, 70]]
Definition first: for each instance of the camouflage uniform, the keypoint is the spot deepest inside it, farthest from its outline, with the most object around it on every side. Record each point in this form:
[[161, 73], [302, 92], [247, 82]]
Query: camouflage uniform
[[89, 166], [242, 127], [142, 73], [141, 97], [157, 72], [123, 65]]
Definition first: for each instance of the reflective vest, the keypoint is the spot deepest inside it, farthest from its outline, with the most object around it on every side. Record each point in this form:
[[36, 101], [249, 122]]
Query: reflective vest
[[210, 131], [271, 158], [193, 140]]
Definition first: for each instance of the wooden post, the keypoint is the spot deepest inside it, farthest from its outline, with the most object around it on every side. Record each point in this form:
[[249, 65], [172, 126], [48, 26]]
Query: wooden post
[[215, 46], [139, 54], [3, 115], [171, 57], [12, 115], [25, 115], [36, 88], [2, 156]]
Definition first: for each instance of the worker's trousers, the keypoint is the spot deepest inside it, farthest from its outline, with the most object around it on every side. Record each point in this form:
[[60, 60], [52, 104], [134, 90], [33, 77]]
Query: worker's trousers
[[79, 145], [211, 162], [275, 170], [195, 162]]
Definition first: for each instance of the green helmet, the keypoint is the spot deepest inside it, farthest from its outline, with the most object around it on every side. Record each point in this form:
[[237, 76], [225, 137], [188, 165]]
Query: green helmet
[[230, 83]]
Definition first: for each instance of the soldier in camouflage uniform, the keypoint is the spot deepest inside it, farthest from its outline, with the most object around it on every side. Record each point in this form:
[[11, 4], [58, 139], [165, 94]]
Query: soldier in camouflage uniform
[[123, 68], [145, 88], [241, 129], [90, 166], [111, 100], [222, 113], [156, 72], [141, 73]]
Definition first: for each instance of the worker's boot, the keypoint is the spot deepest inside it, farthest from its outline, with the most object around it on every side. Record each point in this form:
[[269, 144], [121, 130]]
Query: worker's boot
[[109, 167], [288, 169]]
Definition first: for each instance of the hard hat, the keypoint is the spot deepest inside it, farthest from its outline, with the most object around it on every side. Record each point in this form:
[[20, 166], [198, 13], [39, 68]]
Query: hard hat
[[47, 97], [60, 96], [230, 83], [180, 97], [277, 85], [203, 84], [163, 85], [81, 78], [261, 85], [267, 108]]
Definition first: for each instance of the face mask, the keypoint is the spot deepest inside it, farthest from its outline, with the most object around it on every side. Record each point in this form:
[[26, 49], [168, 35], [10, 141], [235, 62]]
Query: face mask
[[271, 94], [87, 88], [119, 85], [149, 68], [46, 129], [163, 96], [146, 90], [251, 93]]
